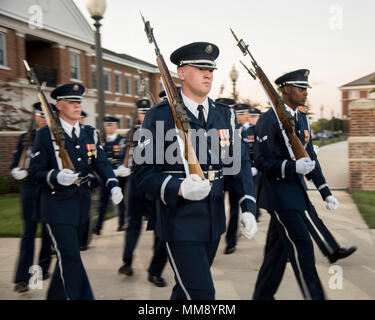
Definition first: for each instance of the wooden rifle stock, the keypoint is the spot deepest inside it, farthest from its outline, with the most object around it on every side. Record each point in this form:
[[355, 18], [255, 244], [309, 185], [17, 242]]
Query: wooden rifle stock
[[276, 101], [176, 104], [53, 123]]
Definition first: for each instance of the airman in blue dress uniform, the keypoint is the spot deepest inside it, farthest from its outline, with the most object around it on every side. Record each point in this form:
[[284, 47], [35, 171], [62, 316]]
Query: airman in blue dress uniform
[[140, 205], [283, 195], [115, 148], [318, 230], [64, 199], [247, 135], [190, 211], [29, 192]]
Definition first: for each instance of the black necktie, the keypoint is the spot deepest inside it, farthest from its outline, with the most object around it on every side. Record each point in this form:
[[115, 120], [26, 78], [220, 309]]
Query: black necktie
[[201, 115], [74, 136]]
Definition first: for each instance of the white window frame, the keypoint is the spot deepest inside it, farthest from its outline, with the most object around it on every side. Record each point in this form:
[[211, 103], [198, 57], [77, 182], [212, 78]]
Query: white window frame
[[119, 77], [78, 67], [129, 120], [128, 76], [3, 40], [353, 94], [137, 80], [371, 95], [109, 73]]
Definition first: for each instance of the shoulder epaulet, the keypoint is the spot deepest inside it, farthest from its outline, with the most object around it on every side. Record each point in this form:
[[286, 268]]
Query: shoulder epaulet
[[87, 126], [218, 103], [161, 104]]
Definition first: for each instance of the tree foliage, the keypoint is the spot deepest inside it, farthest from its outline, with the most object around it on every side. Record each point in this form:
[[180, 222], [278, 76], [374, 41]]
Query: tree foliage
[[11, 117]]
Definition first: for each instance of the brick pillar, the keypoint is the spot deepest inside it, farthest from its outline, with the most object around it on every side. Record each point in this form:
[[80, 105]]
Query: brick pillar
[[362, 145]]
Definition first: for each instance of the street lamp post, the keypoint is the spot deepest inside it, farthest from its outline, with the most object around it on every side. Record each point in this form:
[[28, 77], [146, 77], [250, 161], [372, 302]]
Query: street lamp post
[[234, 76], [96, 8]]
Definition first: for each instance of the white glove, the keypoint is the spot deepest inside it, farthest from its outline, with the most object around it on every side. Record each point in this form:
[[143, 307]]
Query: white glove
[[254, 171], [122, 171], [116, 195], [304, 166], [19, 174], [66, 177], [331, 203], [194, 188], [249, 225]]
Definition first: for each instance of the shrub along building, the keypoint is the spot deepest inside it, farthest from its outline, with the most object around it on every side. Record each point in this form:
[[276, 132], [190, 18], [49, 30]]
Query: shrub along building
[[58, 42]]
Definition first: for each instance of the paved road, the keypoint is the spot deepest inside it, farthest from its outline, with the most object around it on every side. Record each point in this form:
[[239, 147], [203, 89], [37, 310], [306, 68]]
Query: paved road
[[234, 275]]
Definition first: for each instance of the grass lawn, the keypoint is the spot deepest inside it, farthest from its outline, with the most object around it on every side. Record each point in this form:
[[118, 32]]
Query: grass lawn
[[11, 223], [10, 216], [365, 201], [321, 143]]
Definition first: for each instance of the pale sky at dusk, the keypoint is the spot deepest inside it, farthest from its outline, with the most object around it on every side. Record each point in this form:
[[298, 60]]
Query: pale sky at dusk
[[334, 39]]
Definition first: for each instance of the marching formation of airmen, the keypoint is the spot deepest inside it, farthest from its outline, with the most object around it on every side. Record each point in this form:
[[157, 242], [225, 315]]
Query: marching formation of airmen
[[186, 211]]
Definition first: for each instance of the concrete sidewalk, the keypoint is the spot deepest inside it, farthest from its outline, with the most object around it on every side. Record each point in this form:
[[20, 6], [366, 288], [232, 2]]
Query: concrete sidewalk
[[234, 275]]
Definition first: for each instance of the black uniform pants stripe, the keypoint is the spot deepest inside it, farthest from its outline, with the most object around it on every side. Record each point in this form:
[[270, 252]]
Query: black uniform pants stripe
[[288, 237], [322, 236], [69, 280], [191, 262], [231, 235], [27, 249]]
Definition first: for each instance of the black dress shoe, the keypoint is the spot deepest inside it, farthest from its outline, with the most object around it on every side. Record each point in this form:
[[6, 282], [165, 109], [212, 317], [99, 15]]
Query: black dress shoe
[[341, 253], [157, 281], [229, 250], [121, 228], [126, 269], [83, 248], [21, 286], [46, 275], [96, 231]]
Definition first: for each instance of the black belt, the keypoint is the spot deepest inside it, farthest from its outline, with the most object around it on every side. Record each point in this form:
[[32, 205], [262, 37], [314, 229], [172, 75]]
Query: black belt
[[211, 175]]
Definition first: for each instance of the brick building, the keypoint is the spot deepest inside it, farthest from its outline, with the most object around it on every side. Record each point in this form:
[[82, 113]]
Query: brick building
[[362, 145], [58, 42], [55, 38], [355, 90]]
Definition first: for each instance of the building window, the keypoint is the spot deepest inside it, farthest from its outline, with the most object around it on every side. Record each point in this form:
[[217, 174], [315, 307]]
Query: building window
[[128, 85], [3, 49], [137, 87], [117, 83], [353, 95], [107, 80], [371, 95], [129, 122], [145, 90], [75, 72], [93, 79]]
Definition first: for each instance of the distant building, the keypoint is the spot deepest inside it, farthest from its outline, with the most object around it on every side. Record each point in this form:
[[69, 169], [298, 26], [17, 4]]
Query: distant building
[[355, 90], [58, 42]]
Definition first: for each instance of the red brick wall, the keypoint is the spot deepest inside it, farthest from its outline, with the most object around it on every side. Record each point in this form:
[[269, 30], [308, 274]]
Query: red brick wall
[[362, 145], [8, 144]]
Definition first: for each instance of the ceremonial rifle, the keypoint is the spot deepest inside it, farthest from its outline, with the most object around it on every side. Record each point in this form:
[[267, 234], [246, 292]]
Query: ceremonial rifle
[[27, 142], [176, 104], [146, 90], [277, 103], [52, 122]]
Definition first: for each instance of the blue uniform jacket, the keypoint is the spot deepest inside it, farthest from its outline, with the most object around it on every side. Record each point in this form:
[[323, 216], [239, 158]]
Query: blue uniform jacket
[[281, 187], [179, 219], [29, 190], [60, 204], [304, 134], [115, 151]]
